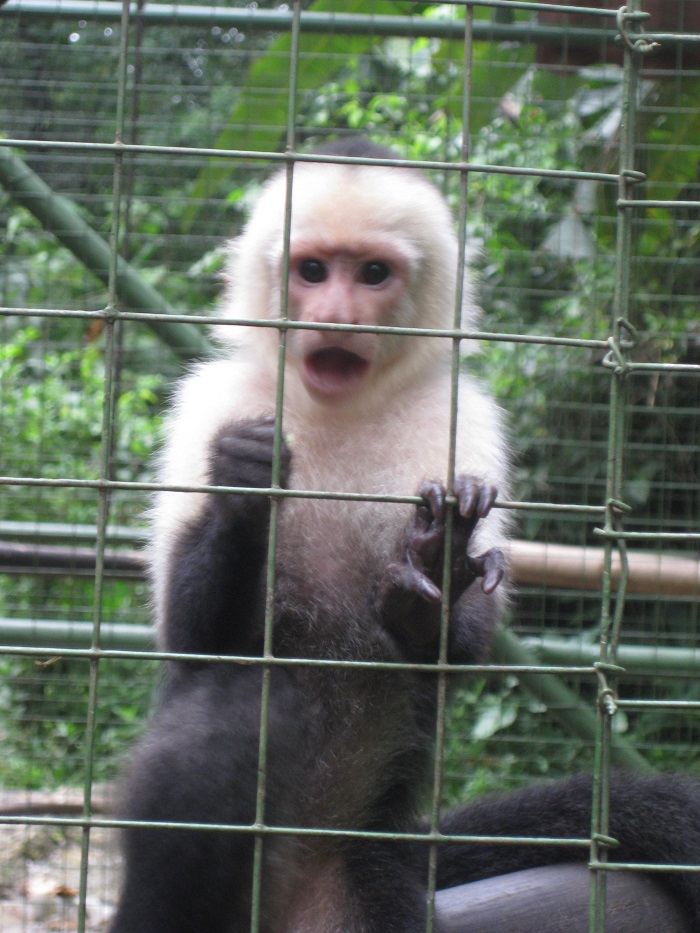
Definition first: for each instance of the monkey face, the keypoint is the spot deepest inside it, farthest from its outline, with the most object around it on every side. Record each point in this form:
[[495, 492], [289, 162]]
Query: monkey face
[[350, 283]]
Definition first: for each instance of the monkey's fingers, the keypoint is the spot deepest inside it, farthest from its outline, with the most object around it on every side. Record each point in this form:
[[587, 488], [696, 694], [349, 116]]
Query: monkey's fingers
[[474, 499], [424, 545], [490, 566], [407, 579], [434, 496], [242, 455], [264, 426]]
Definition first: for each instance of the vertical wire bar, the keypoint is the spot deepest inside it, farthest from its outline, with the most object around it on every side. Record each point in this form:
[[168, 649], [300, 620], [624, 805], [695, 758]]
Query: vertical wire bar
[[442, 681], [108, 414], [610, 626], [268, 647]]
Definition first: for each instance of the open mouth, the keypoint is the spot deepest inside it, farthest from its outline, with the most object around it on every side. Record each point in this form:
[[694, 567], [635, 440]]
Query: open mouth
[[332, 370]]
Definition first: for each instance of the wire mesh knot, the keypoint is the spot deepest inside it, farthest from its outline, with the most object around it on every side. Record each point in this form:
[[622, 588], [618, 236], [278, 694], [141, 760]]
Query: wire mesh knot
[[634, 42]]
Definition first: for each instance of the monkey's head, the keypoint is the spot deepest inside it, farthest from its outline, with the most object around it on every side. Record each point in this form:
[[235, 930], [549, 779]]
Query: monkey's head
[[369, 246]]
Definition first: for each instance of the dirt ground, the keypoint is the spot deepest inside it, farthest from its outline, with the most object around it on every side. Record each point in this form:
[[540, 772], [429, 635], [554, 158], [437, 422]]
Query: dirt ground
[[40, 871]]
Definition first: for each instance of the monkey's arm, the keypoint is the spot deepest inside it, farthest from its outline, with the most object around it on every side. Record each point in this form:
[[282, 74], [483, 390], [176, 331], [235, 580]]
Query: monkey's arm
[[213, 602], [409, 593]]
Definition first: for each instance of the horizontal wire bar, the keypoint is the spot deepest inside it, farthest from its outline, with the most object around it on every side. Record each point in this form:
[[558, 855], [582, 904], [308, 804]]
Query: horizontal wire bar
[[684, 705], [304, 831], [272, 492], [640, 866], [671, 37], [632, 202], [292, 156], [614, 534], [560, 655], [283, 325], [541, 7], [51, 651], [687, 369], [341, 23]]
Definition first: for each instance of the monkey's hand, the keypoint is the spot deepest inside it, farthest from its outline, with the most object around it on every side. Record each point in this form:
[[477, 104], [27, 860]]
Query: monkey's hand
[[425, 542], [242, 455], [415, 581], [409, 598]]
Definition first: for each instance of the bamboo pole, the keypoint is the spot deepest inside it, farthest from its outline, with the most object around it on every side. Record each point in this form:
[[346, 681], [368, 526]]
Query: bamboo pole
[[59, 215], [569, 567], [532, 563]]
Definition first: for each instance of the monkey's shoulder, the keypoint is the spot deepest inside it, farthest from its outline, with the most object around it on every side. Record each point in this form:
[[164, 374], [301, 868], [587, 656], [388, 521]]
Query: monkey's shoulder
[[212, 395]]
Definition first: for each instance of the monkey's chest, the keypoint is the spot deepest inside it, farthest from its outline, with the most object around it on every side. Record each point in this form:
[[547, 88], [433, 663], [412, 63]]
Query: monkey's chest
[[367, 735], [332, 551], [366, 724], [337, 545]]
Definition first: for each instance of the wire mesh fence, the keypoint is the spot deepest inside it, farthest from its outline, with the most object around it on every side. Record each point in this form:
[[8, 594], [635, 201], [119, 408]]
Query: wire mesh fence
[[135, 138]]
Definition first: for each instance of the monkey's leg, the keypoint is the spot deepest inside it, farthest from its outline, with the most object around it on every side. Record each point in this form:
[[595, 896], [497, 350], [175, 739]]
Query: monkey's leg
[[388, 887], [214, 601], [198, 763]]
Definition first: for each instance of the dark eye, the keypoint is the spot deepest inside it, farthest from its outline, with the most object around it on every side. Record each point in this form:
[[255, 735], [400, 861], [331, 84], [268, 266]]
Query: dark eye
[[375, 272], [313, 270]]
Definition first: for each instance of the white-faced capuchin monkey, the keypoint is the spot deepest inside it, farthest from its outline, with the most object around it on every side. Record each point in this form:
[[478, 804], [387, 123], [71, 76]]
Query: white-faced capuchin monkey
[[347, 748]]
